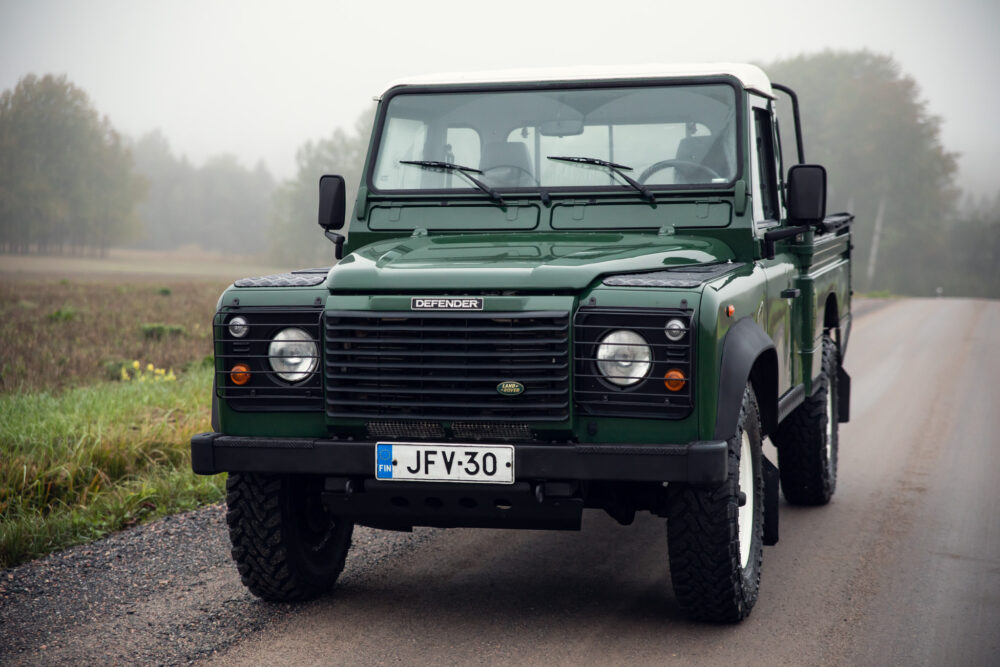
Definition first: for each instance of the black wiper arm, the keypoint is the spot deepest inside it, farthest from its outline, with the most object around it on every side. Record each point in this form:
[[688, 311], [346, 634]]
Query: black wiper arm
[[461, 171], [618, 169]]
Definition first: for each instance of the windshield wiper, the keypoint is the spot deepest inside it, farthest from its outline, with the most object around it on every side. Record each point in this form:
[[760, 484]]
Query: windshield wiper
[[461, 171], [618, 169]]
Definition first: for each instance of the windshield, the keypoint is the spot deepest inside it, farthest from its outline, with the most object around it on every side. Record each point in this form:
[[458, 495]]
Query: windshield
[[657, 136]]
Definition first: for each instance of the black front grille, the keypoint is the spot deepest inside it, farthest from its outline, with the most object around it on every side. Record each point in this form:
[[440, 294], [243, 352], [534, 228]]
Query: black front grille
[[649, 397], [491, 431], [447, 365], [265, 391], [399, 430]]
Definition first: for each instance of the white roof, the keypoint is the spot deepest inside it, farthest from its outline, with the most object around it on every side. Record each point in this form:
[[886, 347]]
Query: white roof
[[750, 76]]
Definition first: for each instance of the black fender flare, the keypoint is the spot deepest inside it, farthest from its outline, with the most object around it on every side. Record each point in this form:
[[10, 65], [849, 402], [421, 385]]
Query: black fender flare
[[747, 354]]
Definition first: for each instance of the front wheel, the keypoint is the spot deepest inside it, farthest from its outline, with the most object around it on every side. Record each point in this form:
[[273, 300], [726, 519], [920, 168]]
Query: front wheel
[[715, 534], [285, 544]]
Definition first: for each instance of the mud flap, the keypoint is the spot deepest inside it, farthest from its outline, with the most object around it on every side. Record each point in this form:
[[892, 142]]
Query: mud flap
[[771, 481], [843, 396]]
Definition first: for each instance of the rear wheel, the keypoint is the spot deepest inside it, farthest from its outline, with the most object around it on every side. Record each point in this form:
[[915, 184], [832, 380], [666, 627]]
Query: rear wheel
[[807, 440], [287, 547], [715, 534]]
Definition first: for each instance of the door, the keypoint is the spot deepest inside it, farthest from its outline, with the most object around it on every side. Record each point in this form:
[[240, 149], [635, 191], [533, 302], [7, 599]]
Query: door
[[780, 272]]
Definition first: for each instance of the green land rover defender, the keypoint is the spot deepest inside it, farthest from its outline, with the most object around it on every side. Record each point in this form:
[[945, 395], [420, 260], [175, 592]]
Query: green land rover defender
[[560, 290]]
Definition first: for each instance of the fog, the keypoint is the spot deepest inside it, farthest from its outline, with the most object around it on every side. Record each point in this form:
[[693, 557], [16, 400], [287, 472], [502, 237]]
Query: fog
[[257, 79]]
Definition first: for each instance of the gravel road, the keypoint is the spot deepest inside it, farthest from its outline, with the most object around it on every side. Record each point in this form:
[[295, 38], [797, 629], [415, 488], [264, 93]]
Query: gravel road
[[163, 593], [903, 567]]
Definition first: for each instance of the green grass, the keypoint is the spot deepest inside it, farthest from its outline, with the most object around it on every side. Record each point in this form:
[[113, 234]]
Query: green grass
[[94, 459]]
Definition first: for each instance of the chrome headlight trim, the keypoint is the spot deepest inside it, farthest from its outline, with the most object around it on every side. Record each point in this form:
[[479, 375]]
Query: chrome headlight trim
[[293, 355], [624, 358], [238, 327], [675, 330]]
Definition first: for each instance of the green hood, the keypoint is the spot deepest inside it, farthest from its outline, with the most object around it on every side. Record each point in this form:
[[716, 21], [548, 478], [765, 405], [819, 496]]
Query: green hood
[[557, 261]]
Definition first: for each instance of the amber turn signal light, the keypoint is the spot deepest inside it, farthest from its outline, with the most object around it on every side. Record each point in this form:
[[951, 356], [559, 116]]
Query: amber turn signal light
[[240, 374], [674, 379]]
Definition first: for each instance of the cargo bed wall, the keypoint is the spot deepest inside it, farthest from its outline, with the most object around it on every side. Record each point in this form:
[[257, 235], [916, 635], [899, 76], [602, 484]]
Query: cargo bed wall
[[825, 284]]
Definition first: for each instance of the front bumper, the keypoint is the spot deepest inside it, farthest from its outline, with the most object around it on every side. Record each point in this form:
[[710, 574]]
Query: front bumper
[[702, 462]]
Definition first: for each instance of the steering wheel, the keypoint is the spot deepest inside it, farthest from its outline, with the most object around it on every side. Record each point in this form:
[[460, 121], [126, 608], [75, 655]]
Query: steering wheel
[[666, 164], [513, 166]]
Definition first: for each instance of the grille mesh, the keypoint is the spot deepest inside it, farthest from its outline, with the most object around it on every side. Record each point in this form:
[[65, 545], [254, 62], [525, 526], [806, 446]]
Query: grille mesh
[[406, 430], [265, 391], [490, 431]]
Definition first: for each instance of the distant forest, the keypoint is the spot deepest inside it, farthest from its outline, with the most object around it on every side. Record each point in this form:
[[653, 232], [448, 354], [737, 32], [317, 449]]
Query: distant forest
[[70, 183]]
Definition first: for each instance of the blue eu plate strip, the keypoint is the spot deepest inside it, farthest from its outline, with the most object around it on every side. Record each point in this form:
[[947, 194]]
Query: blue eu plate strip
[[383, 461]]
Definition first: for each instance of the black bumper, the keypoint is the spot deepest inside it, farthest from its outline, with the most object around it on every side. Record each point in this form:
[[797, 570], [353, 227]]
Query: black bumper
[[703, 462]]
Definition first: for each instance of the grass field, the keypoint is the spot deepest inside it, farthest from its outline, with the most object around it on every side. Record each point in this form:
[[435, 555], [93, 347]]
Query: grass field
[[135, 266], [67, 333], [84, 451]]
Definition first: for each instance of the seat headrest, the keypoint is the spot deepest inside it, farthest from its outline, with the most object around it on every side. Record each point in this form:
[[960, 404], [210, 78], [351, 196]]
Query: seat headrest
[[505, 154], [694, 149]]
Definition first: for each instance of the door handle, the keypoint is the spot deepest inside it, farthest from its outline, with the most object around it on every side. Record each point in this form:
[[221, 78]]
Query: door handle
[[790, 293]]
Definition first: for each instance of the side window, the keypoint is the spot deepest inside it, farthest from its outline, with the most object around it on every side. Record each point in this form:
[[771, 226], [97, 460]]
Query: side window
[[764, 136], [779, 154]]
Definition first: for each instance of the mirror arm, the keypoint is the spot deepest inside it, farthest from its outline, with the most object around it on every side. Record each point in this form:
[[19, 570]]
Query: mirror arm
[[338, 242], [770, 238]]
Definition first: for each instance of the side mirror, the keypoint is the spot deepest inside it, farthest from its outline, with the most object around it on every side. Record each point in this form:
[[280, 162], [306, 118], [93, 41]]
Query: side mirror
[[806, 193], [332, 202]]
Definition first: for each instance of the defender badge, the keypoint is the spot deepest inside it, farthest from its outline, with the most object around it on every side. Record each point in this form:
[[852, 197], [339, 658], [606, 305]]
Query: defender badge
[[445, 303], [510, 388]]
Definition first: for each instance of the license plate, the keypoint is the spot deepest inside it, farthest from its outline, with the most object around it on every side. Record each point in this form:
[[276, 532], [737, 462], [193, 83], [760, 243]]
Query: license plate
[[427, 462]]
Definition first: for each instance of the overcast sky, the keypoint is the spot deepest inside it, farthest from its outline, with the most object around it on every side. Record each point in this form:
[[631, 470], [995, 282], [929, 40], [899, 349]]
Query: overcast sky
[[257, 79]]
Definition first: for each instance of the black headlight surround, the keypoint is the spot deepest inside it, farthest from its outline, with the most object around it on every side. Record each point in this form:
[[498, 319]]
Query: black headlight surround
[[265, 391], [649, 398]]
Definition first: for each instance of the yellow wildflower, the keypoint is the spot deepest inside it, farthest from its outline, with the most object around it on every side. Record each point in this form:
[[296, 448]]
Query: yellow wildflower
[[135, 364], [149, 367], [124, 375]]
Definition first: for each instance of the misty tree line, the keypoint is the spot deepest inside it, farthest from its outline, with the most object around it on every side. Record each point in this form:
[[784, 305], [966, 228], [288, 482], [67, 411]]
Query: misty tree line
[[218, 206], [863, 119], [70, 183], [66, 177], [68, 180]]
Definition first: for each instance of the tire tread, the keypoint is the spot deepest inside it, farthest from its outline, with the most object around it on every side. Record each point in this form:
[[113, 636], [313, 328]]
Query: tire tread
[[702, 533], [254, 517]]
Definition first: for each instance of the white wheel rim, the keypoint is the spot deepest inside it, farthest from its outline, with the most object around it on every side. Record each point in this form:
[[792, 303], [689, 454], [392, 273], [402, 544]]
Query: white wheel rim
[[744, 517], [829, 425]]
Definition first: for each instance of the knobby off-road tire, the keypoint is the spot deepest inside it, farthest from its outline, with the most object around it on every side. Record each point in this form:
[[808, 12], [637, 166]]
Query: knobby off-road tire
[[807, 440], [715, 543], [286, 546]]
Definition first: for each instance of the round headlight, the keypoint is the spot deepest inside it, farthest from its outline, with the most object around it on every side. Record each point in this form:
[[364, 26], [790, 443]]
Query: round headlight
[[675, 329], [624, 357], [293, 355], [238, 327]]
